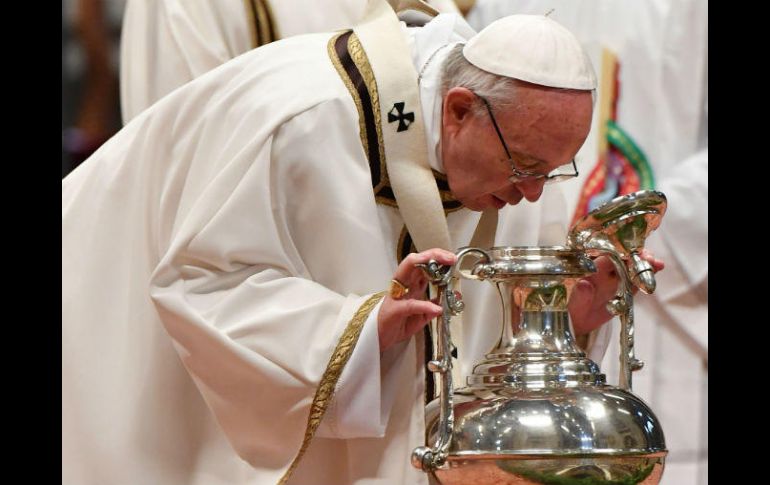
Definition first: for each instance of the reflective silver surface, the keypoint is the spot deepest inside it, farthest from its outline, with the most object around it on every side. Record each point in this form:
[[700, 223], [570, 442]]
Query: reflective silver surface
[[535, 409], [536, 345], [570, 420], [621, 226], [616, 470], [529, 436]]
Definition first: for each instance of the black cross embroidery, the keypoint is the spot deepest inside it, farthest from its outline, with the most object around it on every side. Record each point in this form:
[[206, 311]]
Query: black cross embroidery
[[404, 119]]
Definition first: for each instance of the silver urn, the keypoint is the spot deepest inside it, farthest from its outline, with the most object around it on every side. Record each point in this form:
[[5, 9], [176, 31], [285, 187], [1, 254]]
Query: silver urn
[[536, 410]]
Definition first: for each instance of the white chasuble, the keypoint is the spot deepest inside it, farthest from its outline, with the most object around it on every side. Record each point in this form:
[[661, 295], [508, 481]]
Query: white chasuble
[[215, 254], [222, 259]]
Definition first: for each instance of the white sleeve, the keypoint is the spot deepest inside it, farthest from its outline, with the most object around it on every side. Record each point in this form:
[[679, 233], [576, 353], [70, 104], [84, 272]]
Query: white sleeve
[[366, 389], [251, 289], [256, 342], [684, 228]]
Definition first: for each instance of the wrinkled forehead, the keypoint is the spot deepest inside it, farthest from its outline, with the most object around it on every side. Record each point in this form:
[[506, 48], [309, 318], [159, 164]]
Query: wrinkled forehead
[[538, 103], [548, 127]]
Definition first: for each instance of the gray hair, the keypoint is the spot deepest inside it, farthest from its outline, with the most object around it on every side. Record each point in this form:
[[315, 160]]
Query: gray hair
[[457, 71], [498, 90]]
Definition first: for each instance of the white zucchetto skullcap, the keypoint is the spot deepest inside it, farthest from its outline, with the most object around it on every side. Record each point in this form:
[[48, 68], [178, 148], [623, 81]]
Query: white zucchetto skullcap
[[532, 48]]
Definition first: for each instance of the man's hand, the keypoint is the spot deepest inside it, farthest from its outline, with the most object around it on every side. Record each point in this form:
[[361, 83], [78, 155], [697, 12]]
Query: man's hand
[[399, 319], [588, 304]]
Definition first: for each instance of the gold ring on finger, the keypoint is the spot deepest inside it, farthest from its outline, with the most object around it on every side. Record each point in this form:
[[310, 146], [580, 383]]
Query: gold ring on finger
[[397, 290]]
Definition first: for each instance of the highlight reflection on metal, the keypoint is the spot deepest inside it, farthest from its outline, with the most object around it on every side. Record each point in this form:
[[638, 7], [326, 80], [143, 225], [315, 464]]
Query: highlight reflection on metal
[[536, 410], [621, 227]]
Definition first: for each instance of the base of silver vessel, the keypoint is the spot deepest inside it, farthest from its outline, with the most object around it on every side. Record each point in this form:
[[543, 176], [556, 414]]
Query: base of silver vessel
[[548, 470], [577, 435]]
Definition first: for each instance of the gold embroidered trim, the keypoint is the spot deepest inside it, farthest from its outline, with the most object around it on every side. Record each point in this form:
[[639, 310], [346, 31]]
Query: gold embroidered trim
[[325, 391], [383, 193], [349, 84], [261, 24], [418, 6], [250, 13], [465, 6], [358, 56], [362, 63]]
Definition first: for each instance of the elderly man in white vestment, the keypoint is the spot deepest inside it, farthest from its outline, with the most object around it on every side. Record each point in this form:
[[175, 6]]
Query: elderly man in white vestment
[[224, 256]]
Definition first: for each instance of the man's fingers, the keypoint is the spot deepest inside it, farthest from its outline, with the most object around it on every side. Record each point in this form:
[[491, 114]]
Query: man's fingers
[[414, 278], [458, 296], [605, 266], [441, 255], [581, 299], [408, 308], [419, 290], [416, 322], [657, 264]]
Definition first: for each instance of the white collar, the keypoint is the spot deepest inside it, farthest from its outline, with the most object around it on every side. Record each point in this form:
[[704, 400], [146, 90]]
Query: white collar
[[430, 46]]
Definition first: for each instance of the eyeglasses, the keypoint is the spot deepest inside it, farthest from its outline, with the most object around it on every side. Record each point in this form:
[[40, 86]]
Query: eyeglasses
[[560, 174]]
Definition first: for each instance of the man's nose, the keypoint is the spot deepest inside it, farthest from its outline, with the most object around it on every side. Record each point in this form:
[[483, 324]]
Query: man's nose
[[532, 189]]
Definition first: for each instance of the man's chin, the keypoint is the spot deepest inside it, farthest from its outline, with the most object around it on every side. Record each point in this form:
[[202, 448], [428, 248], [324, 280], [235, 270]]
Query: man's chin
[[474, 205], [482, 204]]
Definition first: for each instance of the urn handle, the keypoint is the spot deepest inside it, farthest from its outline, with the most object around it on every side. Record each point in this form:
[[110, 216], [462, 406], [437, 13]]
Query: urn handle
[[444, 278], [619, 230]]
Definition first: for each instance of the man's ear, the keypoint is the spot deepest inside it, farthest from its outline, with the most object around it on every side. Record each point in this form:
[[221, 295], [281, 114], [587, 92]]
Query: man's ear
[[457, 109]]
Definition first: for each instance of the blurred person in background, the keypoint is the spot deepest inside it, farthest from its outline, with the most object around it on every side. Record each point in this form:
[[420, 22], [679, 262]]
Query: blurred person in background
[[166, 43], [90, 102]]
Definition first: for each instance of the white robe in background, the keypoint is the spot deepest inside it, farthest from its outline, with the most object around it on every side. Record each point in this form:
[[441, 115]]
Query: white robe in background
[[213, 252], [166, 43], [672, 326]]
